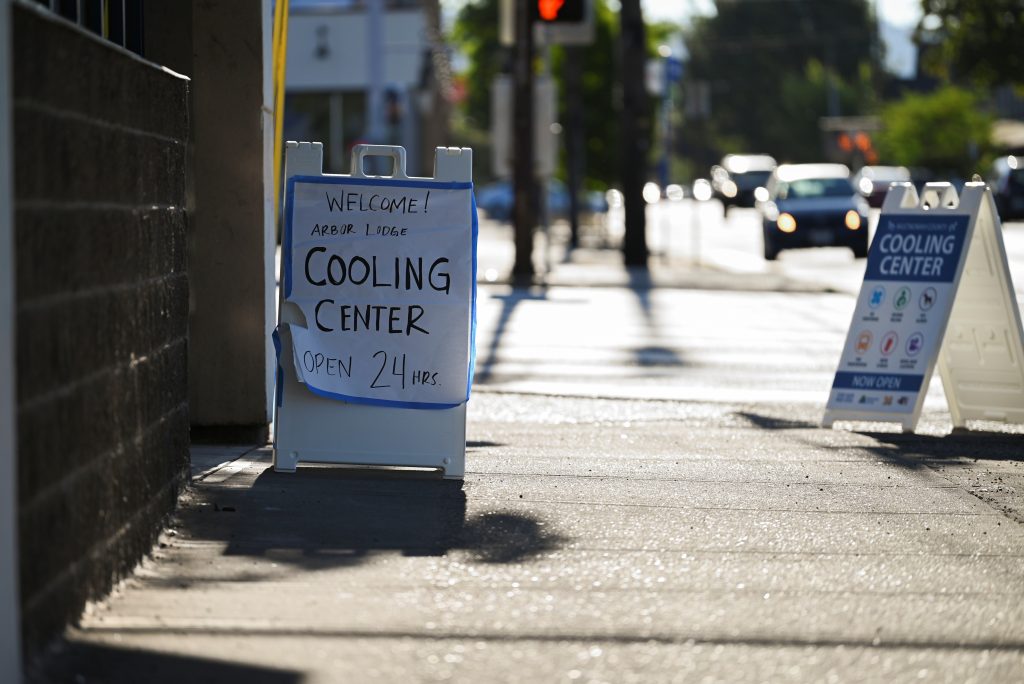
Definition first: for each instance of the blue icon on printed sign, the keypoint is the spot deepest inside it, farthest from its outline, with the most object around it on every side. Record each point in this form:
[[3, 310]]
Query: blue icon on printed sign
[[914, 344], [877, 297]]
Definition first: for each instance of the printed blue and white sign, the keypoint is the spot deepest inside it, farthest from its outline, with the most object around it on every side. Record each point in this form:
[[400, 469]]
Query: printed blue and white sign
[[385, 275], [901, 313]]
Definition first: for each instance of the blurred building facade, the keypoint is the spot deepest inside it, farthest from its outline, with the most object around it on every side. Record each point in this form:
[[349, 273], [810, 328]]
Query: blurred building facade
[[343, 53], [136, 307]]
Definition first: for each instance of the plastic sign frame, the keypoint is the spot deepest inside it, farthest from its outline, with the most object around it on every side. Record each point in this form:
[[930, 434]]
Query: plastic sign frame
[[321, 427], [937, 292]]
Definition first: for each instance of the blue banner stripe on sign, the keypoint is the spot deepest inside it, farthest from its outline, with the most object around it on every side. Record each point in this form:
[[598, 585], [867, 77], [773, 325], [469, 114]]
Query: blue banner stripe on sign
[[917, 248], [878, 382]]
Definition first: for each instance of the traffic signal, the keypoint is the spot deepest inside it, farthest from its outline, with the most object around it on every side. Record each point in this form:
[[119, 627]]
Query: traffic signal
[[559, 11]]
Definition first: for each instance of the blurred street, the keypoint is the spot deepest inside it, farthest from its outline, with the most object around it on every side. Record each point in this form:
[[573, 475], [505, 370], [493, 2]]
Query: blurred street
[[649, 497], [683, 233]]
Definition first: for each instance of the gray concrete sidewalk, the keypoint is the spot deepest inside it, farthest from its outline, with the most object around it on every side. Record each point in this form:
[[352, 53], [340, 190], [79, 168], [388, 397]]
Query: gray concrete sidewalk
[[594, 540], [600, 536]]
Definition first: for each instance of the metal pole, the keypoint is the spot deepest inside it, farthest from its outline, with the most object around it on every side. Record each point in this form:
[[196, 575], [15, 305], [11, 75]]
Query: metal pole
[[695, 235], [336, 132], [375, 58], [574, 137], [524, 209], [10, 608], [634, 132], [542, 180], [666, 127]]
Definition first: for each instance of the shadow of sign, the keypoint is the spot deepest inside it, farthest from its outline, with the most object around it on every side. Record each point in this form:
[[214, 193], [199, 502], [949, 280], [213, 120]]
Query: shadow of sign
[[506, 537], [320, 517], [986, 465], [977, 445]]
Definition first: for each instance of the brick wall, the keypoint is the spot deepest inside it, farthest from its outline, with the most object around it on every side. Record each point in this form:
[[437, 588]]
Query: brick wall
[[101, 312]]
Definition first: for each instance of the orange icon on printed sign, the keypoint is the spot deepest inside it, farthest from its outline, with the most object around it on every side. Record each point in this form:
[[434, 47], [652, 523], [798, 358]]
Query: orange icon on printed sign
[[864, 342], [548, 9]]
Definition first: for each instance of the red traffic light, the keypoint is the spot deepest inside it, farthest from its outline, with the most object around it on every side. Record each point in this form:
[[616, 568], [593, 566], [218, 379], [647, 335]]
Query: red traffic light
[[559, 11]]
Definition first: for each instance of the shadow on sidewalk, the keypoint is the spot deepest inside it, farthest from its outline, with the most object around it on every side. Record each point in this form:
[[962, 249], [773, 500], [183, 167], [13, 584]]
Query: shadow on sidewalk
[[489, 357], [84, 662], [766, 422], [911, 449], [322, 517]]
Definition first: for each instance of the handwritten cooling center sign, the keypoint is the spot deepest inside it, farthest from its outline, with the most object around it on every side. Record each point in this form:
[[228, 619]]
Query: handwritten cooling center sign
[[384, 272], [901, 313]]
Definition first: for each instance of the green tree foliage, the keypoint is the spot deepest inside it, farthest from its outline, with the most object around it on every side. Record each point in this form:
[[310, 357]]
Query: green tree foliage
[[776, 66], [944, 131], [476, 35], [981, 41], [600, 121]]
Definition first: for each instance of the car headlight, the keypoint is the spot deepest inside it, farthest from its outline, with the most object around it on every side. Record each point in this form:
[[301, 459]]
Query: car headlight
[[866, 186], [852, 220], [729, 189], [651, 193], [701, 190], [786, 222]]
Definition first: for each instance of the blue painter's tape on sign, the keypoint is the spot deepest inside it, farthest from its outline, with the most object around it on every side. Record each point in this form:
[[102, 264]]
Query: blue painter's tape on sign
[[917, 248], [386, 281], [472, 312], [887, 382]]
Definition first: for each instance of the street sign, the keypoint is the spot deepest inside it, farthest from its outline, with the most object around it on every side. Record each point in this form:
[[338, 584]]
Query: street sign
[[545, 143], [377, 312], [673, 69], [936, 290], [555, 22]]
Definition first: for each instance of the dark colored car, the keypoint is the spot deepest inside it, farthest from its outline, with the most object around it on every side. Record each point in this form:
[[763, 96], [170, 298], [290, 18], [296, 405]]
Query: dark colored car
[[1007, 183], [738, 176], [813, 205], [873, 181]]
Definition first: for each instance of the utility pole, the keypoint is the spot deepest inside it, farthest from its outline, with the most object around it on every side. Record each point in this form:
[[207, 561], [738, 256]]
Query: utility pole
[[436, 129], [574, 137], [375, 71], [524, 208], [635, 131]]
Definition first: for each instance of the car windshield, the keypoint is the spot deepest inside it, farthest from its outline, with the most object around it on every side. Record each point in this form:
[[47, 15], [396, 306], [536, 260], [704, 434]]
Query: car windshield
[[884, 174], [806, 188], [751, 179]]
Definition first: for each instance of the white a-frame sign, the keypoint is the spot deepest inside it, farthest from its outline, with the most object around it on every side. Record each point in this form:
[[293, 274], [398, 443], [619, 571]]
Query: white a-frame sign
[[377, 312], [936, 289]]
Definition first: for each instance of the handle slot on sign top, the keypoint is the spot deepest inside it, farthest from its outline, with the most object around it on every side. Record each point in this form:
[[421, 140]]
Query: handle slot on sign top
[[939, 195], [394, 152]]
